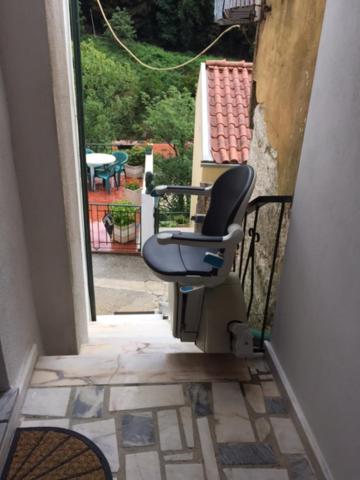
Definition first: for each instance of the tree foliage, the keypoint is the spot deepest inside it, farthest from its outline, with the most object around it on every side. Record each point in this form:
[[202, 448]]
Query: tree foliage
[[185, 23], [174, 171], [181, 25], [122, 24], [110, 91], [124, 100], [170, 119], [117, 91]]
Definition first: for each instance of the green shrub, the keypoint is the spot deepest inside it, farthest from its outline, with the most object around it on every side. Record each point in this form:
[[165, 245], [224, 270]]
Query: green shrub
[[122, 24], [111, 91], [136, 156], [132, 186], [181, 220], [123, 213]]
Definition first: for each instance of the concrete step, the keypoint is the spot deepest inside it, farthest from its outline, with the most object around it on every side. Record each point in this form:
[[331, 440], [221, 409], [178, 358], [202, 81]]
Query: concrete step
[[140, 368], [126, 334]]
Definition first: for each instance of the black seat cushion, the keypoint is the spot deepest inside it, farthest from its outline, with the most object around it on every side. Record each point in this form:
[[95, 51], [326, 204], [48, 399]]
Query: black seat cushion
[[175, 260]]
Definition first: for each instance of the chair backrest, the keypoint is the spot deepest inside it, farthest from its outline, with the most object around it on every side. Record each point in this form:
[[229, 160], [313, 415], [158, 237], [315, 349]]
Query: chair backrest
[[121, 157], [229, 197]]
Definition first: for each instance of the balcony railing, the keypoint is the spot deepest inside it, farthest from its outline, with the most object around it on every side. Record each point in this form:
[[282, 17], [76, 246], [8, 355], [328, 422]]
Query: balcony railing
[[120, 233], [260, 259], [229, 12], [165, 217], [170, 220]]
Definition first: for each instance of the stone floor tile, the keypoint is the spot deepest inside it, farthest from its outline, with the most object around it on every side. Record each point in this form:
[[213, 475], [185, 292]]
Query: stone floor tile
[[255, 397], [299, 468], [7, 402], [138, 429], [256, 474], [132, 398], [185, 471], [88, 402], [263, 428], [270, 389], [232, 422], [70, 370], [286, 435], [169, 431], [179, 457], [276, 406], [207, 448], [187, 422], [103, 434], [51, 422], [199, 395], [266, 376], [52, 402], [142, 466], [247, 454], [259, 364]]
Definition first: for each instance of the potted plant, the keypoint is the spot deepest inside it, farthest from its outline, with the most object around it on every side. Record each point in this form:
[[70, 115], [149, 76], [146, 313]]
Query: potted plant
[[136, 162], [132, 192], [124, 218]]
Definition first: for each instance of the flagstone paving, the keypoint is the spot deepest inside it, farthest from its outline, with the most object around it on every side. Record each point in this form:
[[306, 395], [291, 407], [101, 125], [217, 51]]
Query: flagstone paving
[[221, 429]]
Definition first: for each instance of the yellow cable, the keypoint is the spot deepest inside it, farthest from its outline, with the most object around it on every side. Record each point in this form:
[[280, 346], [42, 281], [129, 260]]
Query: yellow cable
[[162, 69]]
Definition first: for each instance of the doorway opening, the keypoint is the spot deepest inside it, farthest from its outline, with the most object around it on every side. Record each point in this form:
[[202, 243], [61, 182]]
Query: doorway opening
[[123, 137]]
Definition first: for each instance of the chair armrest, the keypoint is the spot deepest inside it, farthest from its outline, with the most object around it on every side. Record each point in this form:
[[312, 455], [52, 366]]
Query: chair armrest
[[161, 190], [234, 236]]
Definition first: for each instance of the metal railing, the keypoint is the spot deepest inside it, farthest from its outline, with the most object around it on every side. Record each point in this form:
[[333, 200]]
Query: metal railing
[[115, 228], [168, 219], [165, 217], [101, 147], [260, 258]]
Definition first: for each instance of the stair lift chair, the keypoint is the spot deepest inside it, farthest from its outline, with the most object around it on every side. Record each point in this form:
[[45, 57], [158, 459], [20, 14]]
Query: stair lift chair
[[206, 301]]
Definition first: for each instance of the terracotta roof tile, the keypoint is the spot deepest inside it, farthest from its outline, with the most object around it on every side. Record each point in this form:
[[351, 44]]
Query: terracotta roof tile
[[229, 88]]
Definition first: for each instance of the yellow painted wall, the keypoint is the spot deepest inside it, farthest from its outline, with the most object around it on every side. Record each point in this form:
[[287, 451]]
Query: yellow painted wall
[[284, 68]]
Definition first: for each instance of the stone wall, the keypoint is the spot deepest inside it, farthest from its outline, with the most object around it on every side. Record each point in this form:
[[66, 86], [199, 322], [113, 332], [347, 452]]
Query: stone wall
[[263, 157], [284, 68]]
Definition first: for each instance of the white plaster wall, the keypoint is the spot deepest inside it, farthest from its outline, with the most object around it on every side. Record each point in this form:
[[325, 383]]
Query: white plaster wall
[[60, 44], [18, 324], [317, 327], [33, 107], [147, 204]]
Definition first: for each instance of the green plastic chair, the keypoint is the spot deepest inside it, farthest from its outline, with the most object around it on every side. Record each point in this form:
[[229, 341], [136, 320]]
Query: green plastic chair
[[105, 173], [121, 160]]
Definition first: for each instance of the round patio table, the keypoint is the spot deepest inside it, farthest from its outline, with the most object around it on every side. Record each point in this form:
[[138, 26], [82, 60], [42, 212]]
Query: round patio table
[[94, 160]]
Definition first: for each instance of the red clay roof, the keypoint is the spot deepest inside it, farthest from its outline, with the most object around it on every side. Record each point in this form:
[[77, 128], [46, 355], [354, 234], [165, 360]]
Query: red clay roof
[[229, 88], [164, 149]]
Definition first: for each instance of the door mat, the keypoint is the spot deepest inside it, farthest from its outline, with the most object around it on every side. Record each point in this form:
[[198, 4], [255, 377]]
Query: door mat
[[56, 454]]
